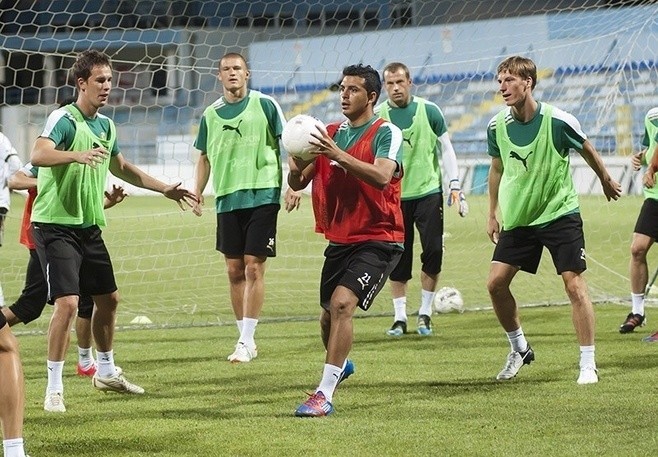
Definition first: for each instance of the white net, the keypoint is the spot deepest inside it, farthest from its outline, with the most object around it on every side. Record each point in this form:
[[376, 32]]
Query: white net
[[596, 60]]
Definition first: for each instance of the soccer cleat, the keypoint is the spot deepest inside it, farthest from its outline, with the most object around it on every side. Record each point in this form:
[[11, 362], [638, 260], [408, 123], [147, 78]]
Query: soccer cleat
[[89, 372], [399, 328], [653, 338], [347, 371], [54, 403], [424, 325], [588, 375], [515, 360], [243, 353], [116, 383], [632, 321], [316, 406]]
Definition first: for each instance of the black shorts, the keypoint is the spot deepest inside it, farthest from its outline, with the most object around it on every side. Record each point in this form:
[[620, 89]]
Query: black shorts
[[363, 268], [427, 215], [647, 220], [522, 246], [74, 261], [250, 231], [29, 306]]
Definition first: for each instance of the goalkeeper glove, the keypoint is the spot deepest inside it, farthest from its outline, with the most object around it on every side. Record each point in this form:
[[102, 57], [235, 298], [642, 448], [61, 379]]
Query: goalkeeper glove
[[456, 195]]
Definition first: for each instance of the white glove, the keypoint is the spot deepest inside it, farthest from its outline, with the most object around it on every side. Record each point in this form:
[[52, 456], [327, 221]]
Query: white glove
[[456, 195]]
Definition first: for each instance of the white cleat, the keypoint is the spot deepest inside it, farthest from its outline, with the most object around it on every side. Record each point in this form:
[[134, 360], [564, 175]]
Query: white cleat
[[588, 375], [54, 403], [243, 353], [515, 360], [116, 383]]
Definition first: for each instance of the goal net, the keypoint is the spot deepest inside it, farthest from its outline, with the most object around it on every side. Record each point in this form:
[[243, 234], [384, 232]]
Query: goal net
[[596, 59]]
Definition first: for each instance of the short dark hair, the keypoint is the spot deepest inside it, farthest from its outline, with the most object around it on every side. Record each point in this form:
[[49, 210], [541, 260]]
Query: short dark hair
[[519, 66], [395, 66], [86, 61], [233, 55], [372, 81]]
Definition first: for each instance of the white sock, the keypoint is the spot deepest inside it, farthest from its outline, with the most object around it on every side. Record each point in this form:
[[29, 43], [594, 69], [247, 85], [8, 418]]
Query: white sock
[[330, 376], [517, 340], [105, 362], [55, 370], [637, 301], [587, 356], [426, 302], [2, 297], [13, 447], [85, 357], [400, 308], [248, 331], [239, 324]]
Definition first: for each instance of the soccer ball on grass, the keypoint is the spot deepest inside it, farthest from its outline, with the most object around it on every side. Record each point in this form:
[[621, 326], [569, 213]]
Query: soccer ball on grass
[[296, 136], [447, 300]]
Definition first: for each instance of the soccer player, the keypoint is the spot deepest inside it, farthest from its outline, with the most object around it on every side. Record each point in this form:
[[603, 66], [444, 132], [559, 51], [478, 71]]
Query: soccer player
[[356, 200], [12, 393], [647, 214], [426, 144], [9, 164], [74, 153], [239, 142], [646, 230], [530, 177], [34, 296]]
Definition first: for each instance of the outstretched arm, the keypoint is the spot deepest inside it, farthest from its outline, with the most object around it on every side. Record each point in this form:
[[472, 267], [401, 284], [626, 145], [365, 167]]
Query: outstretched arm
[[611, 188], [128, 172]]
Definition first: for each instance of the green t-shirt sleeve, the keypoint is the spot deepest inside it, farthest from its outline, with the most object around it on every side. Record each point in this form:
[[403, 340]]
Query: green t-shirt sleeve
[[388, 143], [274, 115], [492, 145], [436, 119], [568, 135], [202, 137], [63, 133]]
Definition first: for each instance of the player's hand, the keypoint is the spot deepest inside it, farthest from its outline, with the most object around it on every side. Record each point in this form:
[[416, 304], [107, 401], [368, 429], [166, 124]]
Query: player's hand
[[649, 179], [326, 145], [456, 195], [292, 199], [180, 195], [93, 157], [611, 188], [115, 196], [493, 229], [197, 207], [636, 160]]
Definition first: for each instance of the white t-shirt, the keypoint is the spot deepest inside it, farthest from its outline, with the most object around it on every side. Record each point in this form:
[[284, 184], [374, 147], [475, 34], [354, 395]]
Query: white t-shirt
[[10, 163]]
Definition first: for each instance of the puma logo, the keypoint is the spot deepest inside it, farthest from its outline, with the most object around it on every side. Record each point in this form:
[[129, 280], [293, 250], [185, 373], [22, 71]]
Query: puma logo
[[523, 160], [236, 129], [408, 140]]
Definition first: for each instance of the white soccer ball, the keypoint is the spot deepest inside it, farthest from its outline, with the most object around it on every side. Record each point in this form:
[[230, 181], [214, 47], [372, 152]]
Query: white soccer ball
[[296, 136], [448, 300]]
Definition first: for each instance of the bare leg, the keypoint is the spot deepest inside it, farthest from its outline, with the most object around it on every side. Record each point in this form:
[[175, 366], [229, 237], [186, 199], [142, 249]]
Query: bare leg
[[339, 341], [59, 330], [504, 304], [254, 289], [103, 320], [237, 282], [83, 332], [582, 313], [12, 389], [639, 269]]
